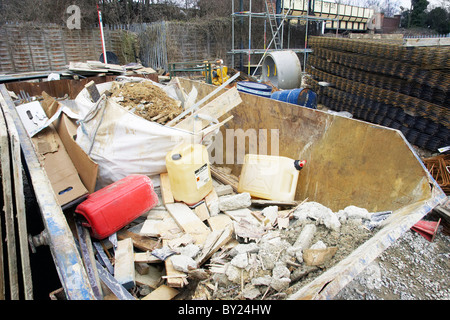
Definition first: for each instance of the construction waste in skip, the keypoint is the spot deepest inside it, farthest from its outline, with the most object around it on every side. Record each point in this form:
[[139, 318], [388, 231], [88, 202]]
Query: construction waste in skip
[[137, 209]]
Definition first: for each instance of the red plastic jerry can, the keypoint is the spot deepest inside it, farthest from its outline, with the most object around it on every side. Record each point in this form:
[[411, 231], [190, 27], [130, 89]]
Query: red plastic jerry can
[[113, 207]]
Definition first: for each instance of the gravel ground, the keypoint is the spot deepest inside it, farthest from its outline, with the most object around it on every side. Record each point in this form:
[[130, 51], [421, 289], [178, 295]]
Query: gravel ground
[[411, 269]]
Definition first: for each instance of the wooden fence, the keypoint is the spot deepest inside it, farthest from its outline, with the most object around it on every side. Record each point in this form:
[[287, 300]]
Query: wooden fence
[[26, 48]]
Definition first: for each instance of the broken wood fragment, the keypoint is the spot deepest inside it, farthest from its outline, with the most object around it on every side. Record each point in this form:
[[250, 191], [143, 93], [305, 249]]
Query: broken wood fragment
[[124, 263], [140, 242], [225, 178], [187, 220], [163, 292], [202, 211], [145, 257], [166, 191]]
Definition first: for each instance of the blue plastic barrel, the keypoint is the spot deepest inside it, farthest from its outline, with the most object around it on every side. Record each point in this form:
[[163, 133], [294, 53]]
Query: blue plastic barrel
[[256, 88], [302, 96]]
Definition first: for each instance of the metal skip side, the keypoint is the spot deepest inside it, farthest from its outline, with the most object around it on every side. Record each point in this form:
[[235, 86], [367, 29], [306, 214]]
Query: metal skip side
[[350, 162]]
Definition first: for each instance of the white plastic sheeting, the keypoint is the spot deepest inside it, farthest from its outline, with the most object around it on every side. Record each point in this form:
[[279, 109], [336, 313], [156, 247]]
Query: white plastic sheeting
[[121, 142]]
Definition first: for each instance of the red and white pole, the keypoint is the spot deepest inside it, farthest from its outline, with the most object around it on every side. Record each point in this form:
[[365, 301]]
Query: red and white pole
[[101, 34]]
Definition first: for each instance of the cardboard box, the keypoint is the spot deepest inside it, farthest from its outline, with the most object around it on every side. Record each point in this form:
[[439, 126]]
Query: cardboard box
[[71, 171]]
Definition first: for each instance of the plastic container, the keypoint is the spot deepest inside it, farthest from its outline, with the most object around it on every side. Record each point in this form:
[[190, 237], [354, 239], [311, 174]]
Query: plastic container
[[303, 97], [189, 172], [113, 207], [270, 177], [256, 88]]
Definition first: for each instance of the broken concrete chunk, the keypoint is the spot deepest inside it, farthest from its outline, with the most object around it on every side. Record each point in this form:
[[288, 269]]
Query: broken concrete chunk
[[262, 281], [280, 271], [304, 239], [250, 292], [233, 274], [353, 212], [183, 263], [318, 245], [233, 202], [271, 214], [318, 212], [244, 248], [224, 190], [213, 208], [280, 284], [191, 250], [240, 261]]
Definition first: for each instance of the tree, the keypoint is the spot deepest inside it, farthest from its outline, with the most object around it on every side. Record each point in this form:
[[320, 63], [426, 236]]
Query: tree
[[438, 20], [418, 14]]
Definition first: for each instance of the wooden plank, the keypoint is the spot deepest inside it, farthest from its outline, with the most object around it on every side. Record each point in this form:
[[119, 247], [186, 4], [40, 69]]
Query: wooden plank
[[87, 255], [140, 242], [225, 178], [19, 198], [145, 257], [219, 222], [8, 211], [161, 293], [188, 221], [174, 278], [116, 288], [151, 279], [202, 211], [166, 192], [224, 236], [3, 144], [124, 263], [215, 109]]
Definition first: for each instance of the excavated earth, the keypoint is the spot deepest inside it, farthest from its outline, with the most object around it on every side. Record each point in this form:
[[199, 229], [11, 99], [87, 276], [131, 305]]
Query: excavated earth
[[147, 101]]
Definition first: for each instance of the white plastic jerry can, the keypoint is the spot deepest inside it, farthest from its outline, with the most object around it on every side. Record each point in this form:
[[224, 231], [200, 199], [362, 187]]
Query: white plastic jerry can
[[270, 177], [189, 172]]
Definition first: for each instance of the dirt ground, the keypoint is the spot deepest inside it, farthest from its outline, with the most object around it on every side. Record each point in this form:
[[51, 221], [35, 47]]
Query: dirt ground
[[147, 101]]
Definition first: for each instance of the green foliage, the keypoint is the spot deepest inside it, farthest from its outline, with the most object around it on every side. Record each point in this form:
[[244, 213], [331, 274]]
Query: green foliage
[[418, 14], [438, 19]]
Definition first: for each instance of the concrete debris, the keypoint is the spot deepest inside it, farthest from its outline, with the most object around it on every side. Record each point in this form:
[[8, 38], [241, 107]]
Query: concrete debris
[[271, 215], [234, 202], [223, 190], [191, 250], [318, 212], [183, 263]]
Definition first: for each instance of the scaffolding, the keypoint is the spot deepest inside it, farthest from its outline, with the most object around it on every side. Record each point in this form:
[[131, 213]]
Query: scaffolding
[[276, 21]]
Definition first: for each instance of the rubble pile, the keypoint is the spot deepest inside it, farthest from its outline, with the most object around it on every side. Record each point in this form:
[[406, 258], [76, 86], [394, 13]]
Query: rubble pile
[[147, 101], [266, 258]]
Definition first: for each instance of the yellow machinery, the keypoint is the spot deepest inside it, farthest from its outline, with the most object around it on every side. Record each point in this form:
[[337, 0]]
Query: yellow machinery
[[218, 73]]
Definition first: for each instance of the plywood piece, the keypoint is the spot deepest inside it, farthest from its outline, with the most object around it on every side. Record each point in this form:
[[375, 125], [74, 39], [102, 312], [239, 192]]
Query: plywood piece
[[145, 257], [162, 293], [166, 191], [202, 212], [124, 271], [219, 222], [187, 220]]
